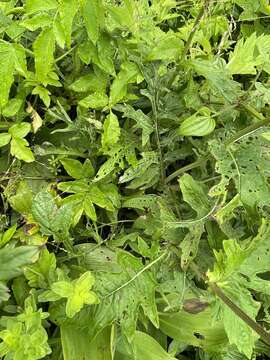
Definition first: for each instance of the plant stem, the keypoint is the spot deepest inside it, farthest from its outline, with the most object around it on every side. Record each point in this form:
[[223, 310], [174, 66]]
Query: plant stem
[[188, 167], [265, 336], [194, 29], [64, 55], [16, 10]]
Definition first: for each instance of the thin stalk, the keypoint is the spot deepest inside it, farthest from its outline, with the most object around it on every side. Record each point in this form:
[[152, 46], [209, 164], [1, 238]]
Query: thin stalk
[[188, 167], [64, 55], [195, 28], [265, 336], [155, 115], [16, 10]]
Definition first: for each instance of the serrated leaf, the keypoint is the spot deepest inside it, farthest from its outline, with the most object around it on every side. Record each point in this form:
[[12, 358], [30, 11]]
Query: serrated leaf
[[67, 10], [94, 101], [218, 77], [40, 5], [43, 93], [44, 47], [243, 60], [194, 194], [12, 107], [20, 130], [59, 32], [20, 149], [40, 274], [129, 73], [90, 83], [6, 72], [92, 12], [37, 21], [141, 290]]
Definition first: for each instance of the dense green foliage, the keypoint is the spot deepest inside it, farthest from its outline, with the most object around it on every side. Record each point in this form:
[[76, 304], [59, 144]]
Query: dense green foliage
[[135, 179]]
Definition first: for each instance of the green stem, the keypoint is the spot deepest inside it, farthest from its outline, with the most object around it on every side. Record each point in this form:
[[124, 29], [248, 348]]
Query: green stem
[[188, 167], [64, 55], [16, 10], [265, 336], [194, 29]]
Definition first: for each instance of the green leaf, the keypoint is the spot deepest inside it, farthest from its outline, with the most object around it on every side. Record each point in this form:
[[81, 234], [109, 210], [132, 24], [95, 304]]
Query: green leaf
[[43, 93], [92, 12], [37, 21], [40, 5], [20, 149], [233, 267], [141, 290], [59, 33], [199, 124], [142, 121], [22, 200], [218, 77], [62, 288], [129, 73], [44, 209], [67, 10], [78, 344], [184, 327], [90, 83], [13, 260], [42, 273], [19, 130], [244, 59], [74, 168], [111, 130], [4, 139], [89, 208], [147, 348], [7, 236], [6, 72], [94, 101], [44, 47], [77, 293], [26, 328], [12, 107], [194, 194], [169, 47]]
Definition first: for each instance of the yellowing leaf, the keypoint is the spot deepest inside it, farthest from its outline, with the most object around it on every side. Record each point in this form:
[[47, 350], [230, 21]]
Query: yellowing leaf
[[36, 119]]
